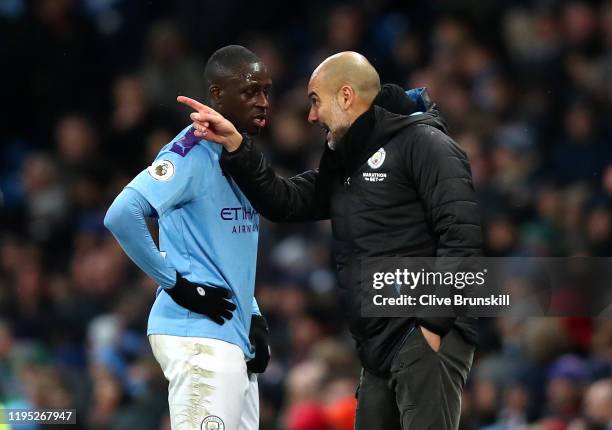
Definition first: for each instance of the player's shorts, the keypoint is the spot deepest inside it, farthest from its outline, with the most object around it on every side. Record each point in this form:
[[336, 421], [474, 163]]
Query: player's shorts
[[209, 386]]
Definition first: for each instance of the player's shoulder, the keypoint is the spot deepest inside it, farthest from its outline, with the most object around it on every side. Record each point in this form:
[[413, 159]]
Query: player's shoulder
[[186, 154], [182, 147], [186, 147]]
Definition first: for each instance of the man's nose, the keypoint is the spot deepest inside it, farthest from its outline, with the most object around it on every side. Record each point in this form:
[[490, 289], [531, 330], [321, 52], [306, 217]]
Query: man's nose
[[312, 116], [262, 101]]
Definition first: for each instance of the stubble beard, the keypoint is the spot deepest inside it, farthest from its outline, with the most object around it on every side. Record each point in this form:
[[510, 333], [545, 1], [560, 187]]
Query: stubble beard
[[340, 130]]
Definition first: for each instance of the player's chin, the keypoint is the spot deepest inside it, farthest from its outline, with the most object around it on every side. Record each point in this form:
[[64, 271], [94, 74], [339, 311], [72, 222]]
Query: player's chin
[[255, 127], [251, 130]]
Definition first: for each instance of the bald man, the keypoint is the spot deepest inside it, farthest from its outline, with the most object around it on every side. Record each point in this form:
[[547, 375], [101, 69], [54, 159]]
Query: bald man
[[356, 80], [392, 184]]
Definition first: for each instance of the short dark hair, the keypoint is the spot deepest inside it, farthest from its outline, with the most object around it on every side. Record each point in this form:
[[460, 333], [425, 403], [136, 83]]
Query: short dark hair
[[225, 61]]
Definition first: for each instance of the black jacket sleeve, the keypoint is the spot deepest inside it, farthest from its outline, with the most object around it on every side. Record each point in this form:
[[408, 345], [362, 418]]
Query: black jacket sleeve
[[300, 198], [441, 173]]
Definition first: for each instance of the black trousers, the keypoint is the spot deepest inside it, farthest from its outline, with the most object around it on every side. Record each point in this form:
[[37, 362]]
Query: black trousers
[[424, 389]]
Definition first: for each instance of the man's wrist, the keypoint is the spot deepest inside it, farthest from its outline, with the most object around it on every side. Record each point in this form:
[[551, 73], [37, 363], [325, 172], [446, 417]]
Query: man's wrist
[[233, 142]]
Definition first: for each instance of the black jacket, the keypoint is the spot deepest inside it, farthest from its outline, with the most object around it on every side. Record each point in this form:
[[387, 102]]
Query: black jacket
[[415, 197]]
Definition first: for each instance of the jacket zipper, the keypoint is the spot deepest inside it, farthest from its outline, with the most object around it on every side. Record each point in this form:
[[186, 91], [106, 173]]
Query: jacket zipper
[[349, 234], [347, 210]]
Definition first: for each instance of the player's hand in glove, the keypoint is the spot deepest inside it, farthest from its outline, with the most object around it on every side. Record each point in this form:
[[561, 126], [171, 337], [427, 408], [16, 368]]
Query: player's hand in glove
[[260, 339], [203, 299]]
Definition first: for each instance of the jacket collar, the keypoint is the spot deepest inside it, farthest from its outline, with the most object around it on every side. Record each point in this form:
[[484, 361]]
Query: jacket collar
[[352, 143], [374, 129]]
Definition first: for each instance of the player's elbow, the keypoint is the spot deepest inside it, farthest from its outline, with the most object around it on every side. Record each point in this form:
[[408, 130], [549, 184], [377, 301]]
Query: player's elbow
[[113, 217]]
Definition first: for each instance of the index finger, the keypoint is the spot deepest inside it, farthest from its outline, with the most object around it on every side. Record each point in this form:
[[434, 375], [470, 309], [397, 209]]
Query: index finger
[[194, 104]]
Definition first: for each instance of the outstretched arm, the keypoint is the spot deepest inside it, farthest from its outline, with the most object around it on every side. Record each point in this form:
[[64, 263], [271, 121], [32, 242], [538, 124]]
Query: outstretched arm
[[300, 198]]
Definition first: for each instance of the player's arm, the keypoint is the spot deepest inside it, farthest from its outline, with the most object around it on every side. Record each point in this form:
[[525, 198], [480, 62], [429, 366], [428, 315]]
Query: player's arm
[[300, 198], [126, 220], [155, 191]]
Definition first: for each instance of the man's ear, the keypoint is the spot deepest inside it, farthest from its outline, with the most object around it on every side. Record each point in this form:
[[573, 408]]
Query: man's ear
[[346, 96], [216, 94]]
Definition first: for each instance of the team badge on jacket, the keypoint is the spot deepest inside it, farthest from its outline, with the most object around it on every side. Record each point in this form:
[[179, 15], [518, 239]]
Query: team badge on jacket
[[212, 422], [161, 170], [377, 159]]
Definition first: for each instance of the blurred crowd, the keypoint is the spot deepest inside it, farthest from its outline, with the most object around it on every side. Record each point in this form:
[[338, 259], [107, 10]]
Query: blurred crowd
[[89, 89]]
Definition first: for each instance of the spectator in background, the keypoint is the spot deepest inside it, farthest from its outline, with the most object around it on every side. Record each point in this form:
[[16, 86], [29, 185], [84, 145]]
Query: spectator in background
[[170, 69], [598, 405], [46, 206], [131, 120], [567, 378], [581, 149], [82, 162]]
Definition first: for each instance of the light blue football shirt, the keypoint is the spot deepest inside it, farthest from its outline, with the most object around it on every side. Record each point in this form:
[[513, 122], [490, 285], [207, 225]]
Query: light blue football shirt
[[208, 232]]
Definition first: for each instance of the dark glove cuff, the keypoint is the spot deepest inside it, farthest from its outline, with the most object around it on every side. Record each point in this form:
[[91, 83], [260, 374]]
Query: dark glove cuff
[[179, 280]]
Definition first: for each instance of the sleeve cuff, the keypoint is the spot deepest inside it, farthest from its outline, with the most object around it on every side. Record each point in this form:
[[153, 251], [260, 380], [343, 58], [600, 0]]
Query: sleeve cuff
[[246, 141]]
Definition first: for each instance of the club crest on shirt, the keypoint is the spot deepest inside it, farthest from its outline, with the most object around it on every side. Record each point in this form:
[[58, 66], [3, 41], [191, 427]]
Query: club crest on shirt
[[212, 422], [377, 159], [161, 170]]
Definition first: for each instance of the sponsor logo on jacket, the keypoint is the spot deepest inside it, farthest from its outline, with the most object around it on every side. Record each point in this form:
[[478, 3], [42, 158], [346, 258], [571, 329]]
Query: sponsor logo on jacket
[[374, 176]]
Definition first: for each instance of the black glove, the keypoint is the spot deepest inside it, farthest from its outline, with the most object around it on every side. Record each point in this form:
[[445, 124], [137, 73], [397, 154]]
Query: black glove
[[203, 299], [260, 339]]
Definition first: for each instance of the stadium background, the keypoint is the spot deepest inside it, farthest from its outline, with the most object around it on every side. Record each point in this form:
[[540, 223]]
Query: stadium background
[[89, 92]]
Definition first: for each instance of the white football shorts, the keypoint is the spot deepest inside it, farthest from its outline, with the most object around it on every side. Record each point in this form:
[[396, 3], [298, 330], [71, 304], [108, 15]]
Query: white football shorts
[[209, 386]]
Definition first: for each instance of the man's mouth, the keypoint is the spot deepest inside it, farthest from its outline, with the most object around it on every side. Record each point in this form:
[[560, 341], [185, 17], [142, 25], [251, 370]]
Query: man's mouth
[[260, 120]]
